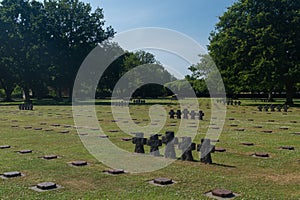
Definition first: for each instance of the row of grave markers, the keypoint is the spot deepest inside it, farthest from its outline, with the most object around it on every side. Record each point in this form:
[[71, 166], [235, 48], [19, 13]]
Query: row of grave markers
[[170, 141], [272, 108], [25, 106], [186, 114], [47, 186], [229, 102]]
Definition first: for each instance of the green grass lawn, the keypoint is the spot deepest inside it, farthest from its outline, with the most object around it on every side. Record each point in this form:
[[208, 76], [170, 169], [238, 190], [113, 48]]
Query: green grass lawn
[[276, 177]]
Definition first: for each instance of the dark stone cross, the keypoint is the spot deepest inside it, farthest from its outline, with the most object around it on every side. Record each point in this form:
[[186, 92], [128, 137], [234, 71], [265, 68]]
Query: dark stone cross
[[172, 114], [139, 142], [260, 108], [266, 108], [201, 114], [154, 142], [193, 114], [285, 108], [278, 108], [206, 149], [187, 147], [272, 107], [170, 140], [178, 114], [25, 107], [185, 113]]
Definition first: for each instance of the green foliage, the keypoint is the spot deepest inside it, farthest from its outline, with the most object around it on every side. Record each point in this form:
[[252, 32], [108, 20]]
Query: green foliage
[[43, 44], [127, 63], [255, 46]]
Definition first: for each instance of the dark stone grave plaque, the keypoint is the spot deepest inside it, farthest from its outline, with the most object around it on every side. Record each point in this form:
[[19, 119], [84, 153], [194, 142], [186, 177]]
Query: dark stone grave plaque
[[11, 174], [14, 126], [79, 163], [162, 181], [263, 155], [248, 143], [126, 139], [258, 126], [267, 131], [25, 151], [220, 149], [46, 186], [50, 157], [38, 129], [64, 132], [294, 122], [231, 119], [48, 130], [271, 120], [56, 125], [115, 171], [113, 131], [233, 125], [250, 120], [222, 193], [239, 129], [287, 147], [27, 127], [5, 147], [284, 128]]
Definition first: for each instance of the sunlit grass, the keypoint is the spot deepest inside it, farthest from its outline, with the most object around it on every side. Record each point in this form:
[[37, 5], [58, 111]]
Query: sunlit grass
[[277, 177]]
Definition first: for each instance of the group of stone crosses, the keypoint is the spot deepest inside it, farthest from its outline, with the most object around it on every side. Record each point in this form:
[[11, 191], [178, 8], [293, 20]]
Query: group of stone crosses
[[186, 145], [26, 106], [186, 114], [272, 108], [139, 101], [120, 103], [229, 102]]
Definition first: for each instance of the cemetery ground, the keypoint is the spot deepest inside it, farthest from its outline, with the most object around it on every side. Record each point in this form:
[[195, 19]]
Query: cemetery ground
[[49, 130]]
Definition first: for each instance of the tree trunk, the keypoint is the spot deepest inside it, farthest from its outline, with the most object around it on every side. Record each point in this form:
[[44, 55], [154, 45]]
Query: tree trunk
[[27, 95], [58, 92], [8, 93], [289, 93], [70, 93], [8, 89], [270, 97]]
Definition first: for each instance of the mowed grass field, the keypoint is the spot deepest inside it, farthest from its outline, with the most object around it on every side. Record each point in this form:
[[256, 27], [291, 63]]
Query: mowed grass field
[[276, 177]]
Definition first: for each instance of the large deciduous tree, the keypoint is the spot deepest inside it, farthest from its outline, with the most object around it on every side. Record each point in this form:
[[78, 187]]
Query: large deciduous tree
[[73, 31], [256, 46]]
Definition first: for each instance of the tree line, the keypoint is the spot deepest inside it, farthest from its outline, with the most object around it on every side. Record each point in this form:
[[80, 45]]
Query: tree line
[[44, 43], [255, 46]]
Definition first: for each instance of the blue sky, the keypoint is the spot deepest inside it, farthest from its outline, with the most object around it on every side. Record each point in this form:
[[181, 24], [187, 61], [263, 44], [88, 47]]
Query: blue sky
[[194, 18]]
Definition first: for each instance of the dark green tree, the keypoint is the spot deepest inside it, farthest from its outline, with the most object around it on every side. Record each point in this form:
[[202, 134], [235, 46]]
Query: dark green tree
[[256, 46], [73, 31]]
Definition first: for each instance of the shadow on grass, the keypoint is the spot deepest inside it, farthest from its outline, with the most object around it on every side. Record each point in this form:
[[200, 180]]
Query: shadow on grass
[[223, 165]]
